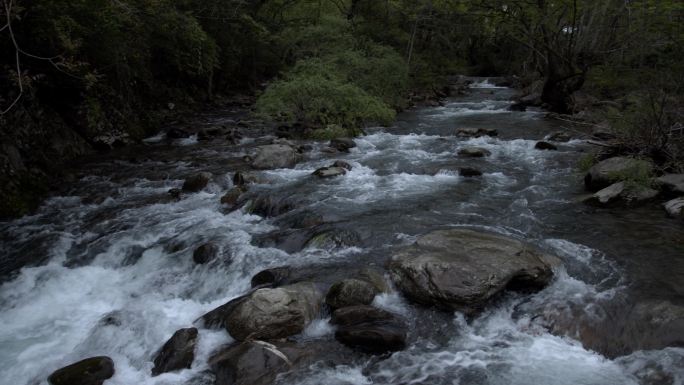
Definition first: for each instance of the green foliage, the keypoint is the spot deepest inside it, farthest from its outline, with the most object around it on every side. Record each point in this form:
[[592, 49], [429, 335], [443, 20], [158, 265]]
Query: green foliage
[[319, 101], [334, 131], [586, 162], [640, 173]]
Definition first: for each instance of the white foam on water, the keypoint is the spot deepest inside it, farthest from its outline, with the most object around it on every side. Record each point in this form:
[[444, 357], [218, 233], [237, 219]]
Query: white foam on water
[[155, 138], [339, 375], [189, 141], [318, 328], [485, 84], [392, 302]]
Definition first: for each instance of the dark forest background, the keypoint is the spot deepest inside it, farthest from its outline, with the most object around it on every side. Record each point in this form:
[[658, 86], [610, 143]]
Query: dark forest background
[[76, 73]]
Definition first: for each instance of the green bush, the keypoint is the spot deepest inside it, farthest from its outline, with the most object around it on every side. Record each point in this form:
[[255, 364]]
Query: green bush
[[319, 101], [640, 173]]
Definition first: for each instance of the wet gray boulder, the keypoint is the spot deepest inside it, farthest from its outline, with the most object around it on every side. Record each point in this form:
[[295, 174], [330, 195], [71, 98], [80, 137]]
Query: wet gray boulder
[[91, 371], [342, 144], [675, 208], [474, 152], [673, 183], [197, 182], [612, 170], [476, 132], [268, 205], [274, 313], [333, 239], [350, 292], [376, 279], [275, 156], [542, 145], [369, 329], [330, 172], [463, 269], [624, 193], [205, 253], [258, 362], [217, 318], [275, 276], [177, 353]]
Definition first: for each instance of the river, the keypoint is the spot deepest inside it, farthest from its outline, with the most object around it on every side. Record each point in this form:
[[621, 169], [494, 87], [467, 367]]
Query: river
[[115, 244]]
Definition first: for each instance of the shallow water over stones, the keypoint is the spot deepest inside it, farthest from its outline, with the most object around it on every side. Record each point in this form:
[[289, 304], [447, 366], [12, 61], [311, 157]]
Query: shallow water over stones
[[108, 266]]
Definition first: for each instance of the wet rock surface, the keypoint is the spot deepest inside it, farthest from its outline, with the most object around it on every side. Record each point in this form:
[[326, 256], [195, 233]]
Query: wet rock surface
[[197, 182], [464, 269], [91, 371], [350, 292], [370, 329], [275, 156], [177, 353], [274, 313]]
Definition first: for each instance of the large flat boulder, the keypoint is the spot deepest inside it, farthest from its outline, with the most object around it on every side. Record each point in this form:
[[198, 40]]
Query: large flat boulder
[[462, 269], [611, 170], [274, 313], [624, 193]]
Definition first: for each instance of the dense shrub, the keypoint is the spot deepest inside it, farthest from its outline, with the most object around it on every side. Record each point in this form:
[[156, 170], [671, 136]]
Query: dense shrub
[[319, 101]]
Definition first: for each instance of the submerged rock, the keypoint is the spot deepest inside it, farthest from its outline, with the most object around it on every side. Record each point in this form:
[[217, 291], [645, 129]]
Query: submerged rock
[[197, 182], [623, 193], [274, 313], [369, 329], [474, 152], [541, 145], [91, 371], [611, 170], [329, 172], [350, 292], [463, 269], [275, 156], [205, 253], [342, 144], [476, 132], [177, 353], [675, 208], [333, 239], [469, 172]]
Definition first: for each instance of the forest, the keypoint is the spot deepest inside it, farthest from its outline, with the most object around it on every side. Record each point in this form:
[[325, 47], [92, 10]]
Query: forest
[[76, 73], [341, 192]]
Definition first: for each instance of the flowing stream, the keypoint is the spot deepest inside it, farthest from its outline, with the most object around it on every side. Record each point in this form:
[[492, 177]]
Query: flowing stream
[[116, 245]]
